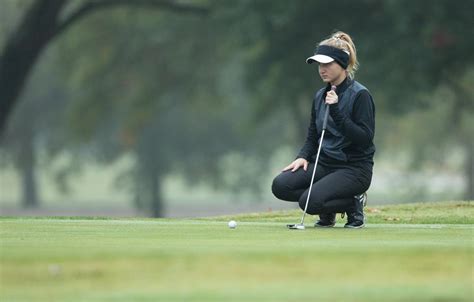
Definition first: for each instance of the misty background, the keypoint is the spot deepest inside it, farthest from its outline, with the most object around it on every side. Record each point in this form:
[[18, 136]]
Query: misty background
[[190, 108]]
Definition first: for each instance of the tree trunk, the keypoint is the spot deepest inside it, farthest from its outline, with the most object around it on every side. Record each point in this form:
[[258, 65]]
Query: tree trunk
[[22, 50], [155, 194], [27, 164], [148, 184], [469, 171]]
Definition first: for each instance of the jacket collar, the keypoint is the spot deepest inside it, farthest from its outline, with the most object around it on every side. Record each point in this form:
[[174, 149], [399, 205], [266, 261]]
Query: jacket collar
[[341, 87]]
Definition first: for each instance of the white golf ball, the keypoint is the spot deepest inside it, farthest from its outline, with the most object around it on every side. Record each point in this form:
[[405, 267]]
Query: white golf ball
[[232, 224]]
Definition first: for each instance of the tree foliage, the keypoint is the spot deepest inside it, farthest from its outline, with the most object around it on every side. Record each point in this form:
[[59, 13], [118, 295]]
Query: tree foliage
[[183, 93]]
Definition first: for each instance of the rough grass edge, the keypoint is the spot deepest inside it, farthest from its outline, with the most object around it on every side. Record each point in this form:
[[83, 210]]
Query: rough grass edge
[[442, 212]]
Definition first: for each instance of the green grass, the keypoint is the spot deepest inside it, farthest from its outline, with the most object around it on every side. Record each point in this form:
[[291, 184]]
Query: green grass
[[449, 212], [416, 252]]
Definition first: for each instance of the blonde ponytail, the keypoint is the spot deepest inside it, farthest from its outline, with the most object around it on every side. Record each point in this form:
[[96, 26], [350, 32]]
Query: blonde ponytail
[[344, 42]]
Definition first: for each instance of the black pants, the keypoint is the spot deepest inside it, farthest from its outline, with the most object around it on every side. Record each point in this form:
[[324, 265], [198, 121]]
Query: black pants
[[333, 189]]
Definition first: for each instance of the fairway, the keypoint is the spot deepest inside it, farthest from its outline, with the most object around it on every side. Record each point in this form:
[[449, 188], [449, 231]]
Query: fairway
[[79, 259]]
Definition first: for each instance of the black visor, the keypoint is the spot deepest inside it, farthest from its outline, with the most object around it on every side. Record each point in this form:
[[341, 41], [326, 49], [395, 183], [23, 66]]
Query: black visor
[[327, 54]]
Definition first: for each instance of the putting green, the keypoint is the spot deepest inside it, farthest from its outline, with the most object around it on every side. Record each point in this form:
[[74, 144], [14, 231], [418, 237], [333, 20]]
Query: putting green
[[74, 259]]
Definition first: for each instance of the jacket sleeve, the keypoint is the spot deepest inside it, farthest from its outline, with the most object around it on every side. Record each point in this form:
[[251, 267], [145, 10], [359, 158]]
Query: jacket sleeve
[[359, 128], [310, 146]]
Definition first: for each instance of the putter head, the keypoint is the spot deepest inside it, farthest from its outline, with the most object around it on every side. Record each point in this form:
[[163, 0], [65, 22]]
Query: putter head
[[296, 226]]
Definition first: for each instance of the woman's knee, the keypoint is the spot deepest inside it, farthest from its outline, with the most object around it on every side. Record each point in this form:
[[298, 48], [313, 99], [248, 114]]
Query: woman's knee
[[279, 187], [282, 189], [315, 204]]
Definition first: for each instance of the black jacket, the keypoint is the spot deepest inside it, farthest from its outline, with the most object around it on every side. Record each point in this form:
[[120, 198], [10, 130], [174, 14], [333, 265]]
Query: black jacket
[[350, 130]]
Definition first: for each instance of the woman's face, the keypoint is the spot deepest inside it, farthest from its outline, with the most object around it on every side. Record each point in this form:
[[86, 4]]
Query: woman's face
[[332, 73]]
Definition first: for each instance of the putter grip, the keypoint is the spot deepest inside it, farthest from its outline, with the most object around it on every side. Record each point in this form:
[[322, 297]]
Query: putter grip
[[333, 88], [326, 117]]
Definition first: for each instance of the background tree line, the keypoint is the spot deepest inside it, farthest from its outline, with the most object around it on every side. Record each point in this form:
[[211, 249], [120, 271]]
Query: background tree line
[[185, 88]]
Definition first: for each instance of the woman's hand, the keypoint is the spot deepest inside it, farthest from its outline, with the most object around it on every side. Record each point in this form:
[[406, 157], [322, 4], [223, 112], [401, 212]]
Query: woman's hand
[[331, 97], [296, 164]]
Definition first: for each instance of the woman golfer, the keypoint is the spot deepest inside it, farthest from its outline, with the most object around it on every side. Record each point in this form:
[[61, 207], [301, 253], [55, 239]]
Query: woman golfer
[[344, 168]]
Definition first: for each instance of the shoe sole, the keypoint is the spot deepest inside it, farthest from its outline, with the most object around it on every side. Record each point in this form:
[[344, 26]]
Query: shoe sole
[[354, 227], [324, 226]]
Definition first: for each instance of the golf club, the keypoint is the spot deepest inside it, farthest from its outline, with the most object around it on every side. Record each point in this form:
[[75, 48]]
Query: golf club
[[300, 226]]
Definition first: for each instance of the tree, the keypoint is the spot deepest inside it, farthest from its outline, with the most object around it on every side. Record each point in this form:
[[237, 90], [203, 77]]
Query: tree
[[44, 21], [172, 112], [36, 126], [407, 49]]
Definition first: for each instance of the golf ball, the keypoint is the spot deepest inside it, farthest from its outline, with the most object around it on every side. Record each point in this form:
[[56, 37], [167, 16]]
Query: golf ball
[[232, 224]]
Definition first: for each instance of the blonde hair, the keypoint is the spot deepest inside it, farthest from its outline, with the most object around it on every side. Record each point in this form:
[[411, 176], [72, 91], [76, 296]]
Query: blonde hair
[[343, 41]]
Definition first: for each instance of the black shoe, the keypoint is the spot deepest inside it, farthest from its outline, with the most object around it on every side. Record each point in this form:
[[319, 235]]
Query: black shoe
[[355, 217], [326, 221], [356, 224]]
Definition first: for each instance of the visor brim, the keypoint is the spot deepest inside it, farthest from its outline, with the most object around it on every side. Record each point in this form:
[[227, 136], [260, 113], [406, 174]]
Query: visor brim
[[319, 58]]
